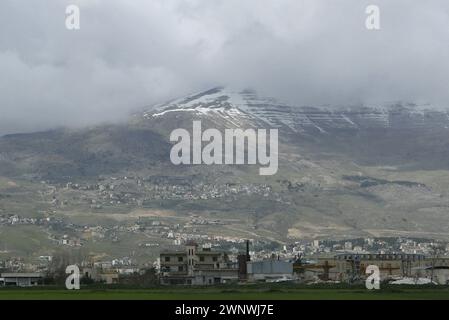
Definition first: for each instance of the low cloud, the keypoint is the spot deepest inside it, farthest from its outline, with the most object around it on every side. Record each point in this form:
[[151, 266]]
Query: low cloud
[[130, 54]]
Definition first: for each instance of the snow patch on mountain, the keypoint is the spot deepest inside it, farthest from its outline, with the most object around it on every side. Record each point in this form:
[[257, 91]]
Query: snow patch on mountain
[[243, 107]]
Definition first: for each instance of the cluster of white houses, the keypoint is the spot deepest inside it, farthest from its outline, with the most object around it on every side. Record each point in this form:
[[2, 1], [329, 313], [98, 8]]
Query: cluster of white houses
[[203, 266], [194, 265]]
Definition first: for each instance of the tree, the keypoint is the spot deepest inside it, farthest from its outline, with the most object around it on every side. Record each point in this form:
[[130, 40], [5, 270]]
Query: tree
[[147, 279], [436, 250], [60, 261]]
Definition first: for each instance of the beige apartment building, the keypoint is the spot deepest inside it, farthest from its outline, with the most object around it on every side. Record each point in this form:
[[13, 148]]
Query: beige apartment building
[[196, 266]]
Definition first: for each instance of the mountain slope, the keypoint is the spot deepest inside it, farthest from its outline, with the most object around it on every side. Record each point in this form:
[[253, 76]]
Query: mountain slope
[[62, 155], [343, 171], [246, 107], [398, 134]]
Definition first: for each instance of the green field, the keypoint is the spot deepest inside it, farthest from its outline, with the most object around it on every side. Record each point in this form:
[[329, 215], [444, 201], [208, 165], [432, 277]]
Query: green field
[[405, 293]]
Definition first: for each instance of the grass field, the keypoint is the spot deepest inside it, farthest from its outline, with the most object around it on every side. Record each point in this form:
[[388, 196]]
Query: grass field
[[405, 293]]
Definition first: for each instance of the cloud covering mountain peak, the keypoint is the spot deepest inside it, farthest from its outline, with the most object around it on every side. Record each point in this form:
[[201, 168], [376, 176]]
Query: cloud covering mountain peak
[[127, 55]]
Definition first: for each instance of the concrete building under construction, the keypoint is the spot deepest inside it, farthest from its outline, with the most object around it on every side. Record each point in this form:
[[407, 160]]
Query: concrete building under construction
[[351, 267]]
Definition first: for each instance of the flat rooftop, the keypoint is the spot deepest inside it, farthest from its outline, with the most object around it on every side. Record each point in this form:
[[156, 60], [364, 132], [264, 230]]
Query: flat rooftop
[[21, 275]]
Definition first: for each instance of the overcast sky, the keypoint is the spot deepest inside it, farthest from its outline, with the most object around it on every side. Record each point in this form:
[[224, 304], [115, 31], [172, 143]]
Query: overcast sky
[[129, 54]]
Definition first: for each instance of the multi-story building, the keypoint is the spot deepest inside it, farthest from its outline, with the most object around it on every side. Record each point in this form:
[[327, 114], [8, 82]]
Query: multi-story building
[[196, 266]]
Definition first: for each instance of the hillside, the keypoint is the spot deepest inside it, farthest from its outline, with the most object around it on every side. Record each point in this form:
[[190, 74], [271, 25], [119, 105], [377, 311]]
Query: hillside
[[344, 171]]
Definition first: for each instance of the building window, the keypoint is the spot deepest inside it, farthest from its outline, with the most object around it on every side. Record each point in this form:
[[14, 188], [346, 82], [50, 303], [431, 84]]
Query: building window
[[202, 259], [180, 259], [167, 259], [214, 258]]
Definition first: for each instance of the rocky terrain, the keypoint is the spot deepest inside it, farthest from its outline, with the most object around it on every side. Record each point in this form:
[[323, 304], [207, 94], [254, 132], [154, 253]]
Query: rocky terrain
[[344, 171]]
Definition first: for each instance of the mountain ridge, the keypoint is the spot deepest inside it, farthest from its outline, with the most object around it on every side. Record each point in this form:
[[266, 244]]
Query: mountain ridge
[[397, 161], [232, 105]]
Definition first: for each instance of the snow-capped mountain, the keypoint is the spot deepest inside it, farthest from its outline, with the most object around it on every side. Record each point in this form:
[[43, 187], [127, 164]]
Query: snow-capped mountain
[[343, 170], [246, 108]]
